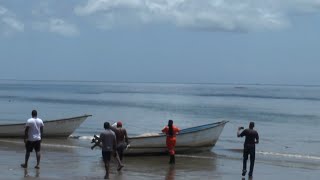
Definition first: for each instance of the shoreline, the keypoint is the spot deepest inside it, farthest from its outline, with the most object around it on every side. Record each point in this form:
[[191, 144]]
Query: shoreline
[[83, 163]]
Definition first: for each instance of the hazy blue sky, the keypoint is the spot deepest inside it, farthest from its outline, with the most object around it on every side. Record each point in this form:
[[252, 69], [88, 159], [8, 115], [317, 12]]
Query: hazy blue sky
[[217, 41]]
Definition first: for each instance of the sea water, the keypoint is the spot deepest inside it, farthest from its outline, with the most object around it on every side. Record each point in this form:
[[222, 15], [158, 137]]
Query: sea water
[[287, 118]]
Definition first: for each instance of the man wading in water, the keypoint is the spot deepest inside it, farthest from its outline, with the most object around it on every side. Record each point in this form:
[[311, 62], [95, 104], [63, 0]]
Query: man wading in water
[[252, 138]]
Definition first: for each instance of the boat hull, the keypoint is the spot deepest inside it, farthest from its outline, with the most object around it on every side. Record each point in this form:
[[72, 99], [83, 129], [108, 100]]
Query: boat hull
[[200, 138], [61, 128]]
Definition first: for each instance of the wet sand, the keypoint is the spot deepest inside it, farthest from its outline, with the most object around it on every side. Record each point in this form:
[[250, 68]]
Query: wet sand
[[74, 160]]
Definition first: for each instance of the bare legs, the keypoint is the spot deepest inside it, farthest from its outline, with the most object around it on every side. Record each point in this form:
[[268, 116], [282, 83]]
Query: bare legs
[[120, 165], [25, 165], [172, 159], [38, 160], [106, 166]]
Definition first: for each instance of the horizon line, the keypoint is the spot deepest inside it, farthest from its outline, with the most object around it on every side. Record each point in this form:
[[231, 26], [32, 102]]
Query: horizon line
[[163, 82]]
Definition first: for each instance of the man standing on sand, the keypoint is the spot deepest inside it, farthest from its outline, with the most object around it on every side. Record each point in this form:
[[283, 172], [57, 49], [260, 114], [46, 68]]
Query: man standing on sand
[[32, 138], [109, 144], [252, 138]]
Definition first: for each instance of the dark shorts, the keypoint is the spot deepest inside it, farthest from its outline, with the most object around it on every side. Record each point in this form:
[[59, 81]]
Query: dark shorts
[[106, 155], [121, 146], [36, 145]]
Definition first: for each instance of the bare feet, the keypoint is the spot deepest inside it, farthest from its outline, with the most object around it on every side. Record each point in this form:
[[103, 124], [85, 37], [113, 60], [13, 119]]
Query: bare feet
[[120, 167], [24, 165], [37, 167], [106, 177]]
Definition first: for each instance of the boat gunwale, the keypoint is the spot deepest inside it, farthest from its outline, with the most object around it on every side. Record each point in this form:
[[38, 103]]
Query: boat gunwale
[[165, 147], [49, 121], [196, 130]]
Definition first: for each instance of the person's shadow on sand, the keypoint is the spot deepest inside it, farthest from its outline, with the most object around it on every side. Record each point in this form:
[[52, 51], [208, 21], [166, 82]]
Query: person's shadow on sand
[[37, 173], [171, 173], [249, 178], [26, 174]]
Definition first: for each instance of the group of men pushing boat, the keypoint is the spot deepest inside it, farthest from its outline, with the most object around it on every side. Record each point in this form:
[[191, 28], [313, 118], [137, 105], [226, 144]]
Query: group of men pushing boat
[[114, 140]]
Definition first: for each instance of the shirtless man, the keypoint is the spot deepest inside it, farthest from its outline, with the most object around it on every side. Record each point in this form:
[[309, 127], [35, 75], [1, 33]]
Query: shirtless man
[[122, 139]]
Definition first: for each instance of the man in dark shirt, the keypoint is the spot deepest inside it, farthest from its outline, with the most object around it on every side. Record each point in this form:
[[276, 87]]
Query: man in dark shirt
[[252, 138], [108, 140]]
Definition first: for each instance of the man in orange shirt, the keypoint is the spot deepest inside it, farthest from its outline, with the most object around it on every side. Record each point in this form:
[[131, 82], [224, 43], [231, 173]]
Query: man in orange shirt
[[171, 131]]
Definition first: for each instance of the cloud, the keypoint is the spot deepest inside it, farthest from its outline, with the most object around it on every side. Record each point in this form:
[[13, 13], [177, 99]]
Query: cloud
[[209, 15], [56, 25], [9, 24]]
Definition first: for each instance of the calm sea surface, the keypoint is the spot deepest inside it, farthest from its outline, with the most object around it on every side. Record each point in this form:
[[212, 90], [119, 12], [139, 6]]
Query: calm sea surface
[[287, 118]]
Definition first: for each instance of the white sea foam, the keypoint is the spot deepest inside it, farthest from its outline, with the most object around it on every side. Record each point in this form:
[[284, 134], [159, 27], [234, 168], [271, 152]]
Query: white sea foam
[[196, 157], [60, 146], [81, 137], [148, 134], [288, 155], [43, 144], [285, 155]]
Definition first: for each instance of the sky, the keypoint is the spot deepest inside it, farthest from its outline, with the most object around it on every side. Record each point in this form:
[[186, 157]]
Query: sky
[[180, 41]]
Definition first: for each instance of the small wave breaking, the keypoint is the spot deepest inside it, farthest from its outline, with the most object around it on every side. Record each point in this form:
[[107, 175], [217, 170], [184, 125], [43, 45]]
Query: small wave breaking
[[288, 155], [44, 144], [81, 137]]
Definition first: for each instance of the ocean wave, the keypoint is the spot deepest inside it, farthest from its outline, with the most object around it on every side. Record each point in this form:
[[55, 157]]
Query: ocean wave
[[278, 154], [231, 95], [289, 95], [194, 109], [284, 155], [259, 96], [288, 155], [43, 144], [81, 137], [67, 101], [195, 156], [60, 146]]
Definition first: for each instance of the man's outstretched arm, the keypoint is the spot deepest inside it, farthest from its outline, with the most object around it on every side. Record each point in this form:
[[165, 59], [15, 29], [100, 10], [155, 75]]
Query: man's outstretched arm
[[238, 133]]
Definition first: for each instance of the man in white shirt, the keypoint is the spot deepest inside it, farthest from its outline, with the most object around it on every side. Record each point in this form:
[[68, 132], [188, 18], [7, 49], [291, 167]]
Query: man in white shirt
[[32, 138]]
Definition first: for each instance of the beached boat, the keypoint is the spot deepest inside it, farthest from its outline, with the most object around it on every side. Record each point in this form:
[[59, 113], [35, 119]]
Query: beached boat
[[61, 128], [199, 138]]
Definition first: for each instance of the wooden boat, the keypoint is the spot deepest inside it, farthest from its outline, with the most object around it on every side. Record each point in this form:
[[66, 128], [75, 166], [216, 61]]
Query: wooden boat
[[199, 138], [61, 128]]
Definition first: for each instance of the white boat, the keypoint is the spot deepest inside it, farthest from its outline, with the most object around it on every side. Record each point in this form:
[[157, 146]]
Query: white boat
[[199, 138], [61, 128]]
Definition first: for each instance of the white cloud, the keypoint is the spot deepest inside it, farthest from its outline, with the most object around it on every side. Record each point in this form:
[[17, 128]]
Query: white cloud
[[13, 23], [9, 24], [58, 26], [3, 10], [63, 28], [211, 15]]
